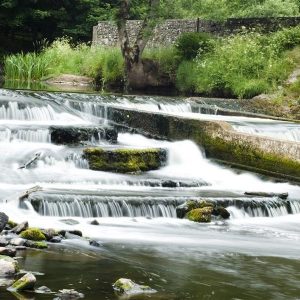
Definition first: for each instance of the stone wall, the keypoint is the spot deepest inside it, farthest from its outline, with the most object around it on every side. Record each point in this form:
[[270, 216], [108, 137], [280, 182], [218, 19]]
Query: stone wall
[[166, 33], [260, 154]]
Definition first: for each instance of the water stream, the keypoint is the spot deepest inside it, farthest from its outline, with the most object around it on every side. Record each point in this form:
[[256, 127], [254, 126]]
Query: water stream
[[253, 255]]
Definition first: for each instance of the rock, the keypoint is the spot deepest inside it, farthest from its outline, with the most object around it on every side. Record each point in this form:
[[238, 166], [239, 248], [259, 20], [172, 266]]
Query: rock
[[62, 135], [19, 228], [49, 233], [68, 294], [68, 222], [43, 290], [200, 215], [189, 205], [75, 232], [26, 282], [8, 251], [263, 194], [56, 239], [95, 222], [17, 242], [94, 243], [8, 266], [129, 287], [20, 248], [3, 242], [125, 160], [221, 211], [36, 245], [33, 234], [169, 183], [11, 224], [3, 220]]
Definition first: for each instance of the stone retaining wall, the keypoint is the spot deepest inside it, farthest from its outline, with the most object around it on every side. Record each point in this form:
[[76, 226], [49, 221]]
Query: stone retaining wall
[[166, 33], [260, 154]]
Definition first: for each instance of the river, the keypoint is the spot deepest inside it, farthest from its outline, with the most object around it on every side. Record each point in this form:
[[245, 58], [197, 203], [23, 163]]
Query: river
[[253, 255]]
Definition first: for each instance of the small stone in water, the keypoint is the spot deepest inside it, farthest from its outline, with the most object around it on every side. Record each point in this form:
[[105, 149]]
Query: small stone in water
[[17, 242], [94, 243], [56, 239], [26, 282], [129, 287], [67, 294], [95, 222], [43, 290]]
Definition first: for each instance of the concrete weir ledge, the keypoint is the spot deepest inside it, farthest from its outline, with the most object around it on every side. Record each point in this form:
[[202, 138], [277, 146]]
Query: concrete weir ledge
[[259, 154]]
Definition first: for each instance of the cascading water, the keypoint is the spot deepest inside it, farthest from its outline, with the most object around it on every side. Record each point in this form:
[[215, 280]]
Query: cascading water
[[70, 189]]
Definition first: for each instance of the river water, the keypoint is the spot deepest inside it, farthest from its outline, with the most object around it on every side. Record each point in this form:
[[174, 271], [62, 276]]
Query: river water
[[253, 255]]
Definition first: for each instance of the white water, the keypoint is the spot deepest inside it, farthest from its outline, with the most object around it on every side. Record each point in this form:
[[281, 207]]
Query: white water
[[67, 179]]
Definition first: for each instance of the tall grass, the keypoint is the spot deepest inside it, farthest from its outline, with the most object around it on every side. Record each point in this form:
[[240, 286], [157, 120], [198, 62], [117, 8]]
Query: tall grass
[[63, 58]]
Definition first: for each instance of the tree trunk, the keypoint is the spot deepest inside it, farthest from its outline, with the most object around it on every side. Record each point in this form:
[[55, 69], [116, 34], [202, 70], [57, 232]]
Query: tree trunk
[[134, 68]]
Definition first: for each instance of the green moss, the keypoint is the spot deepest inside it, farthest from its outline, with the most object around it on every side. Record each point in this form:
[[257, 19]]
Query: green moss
[[40, 245], [33, 234], [12, 224], [201, 215], [125, 160]]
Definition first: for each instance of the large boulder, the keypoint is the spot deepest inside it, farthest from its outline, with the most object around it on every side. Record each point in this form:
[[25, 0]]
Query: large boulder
[[128, 287], [8, 266], [8, 251], [64, 135], [125, 160], [26, 282]]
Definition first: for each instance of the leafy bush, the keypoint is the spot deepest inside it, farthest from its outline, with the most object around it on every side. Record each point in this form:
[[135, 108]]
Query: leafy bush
[[191, 44], [186, 76]]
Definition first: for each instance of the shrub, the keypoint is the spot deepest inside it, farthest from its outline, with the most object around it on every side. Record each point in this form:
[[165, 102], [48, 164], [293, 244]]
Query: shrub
[[186, 76], [191, 44], [33, 234]]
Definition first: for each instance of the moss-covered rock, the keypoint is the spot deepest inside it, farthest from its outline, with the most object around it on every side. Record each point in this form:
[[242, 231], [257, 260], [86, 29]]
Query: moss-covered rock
[[12, 224], [129, 287], [33, 234], [189, 205], [36, 245], [200, 215], [125, 160], [26, 282]]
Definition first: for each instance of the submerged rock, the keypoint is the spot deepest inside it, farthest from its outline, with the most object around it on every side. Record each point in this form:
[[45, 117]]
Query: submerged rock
[[68, 294], [129, 287], [55, 239], [36, 245], [221, 211], [8, 266], [94, 243], [125, 160], [95, 222], [26, 282], [43, 290], [33, 234], [3, 220]]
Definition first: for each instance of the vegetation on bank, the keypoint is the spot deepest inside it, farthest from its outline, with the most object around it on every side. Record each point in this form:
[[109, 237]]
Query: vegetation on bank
[[242, 65]]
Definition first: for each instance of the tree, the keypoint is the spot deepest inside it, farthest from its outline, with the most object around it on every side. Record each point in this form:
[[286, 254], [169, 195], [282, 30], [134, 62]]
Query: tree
[[135, 74]]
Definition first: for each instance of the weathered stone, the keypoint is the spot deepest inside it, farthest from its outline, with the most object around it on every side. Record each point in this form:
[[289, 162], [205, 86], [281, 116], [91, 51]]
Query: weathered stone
[[8, 251], [189, 205], [125, 160], [17, 242], [36, 245], [3, 220], [55, 239], [94, 243], [33, 234], [21, 227], [75, 232], [200, 215], [49, 233], [3, 242], [43, 290], [129, 287], [8, 266], [221, 211], [68, 294], [75, 135], [95, 222], [26, 282]]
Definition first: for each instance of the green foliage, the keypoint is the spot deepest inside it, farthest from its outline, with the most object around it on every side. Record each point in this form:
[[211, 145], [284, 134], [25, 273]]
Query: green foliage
[[61, 58], [243, 65], [33, 234], [191, 44], [186, 76]]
